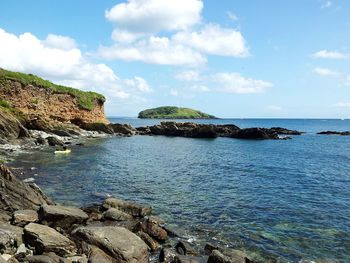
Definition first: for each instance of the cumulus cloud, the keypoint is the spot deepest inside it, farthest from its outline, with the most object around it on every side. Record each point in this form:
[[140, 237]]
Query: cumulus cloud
[[152, 16], [155, 50], [236, 83], [168, 33], [326, 72], [58, 59], [342, 104], [215, 40], [330, 54], [189, 75]]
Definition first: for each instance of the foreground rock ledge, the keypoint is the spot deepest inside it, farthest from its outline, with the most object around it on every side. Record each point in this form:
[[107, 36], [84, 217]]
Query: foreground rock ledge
[[120, 243]]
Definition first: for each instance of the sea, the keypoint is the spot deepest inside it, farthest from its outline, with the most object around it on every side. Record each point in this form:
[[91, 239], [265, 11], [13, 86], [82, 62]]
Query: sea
[[279, 200]]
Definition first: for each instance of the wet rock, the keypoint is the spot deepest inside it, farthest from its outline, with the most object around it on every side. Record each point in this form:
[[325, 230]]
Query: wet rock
[[46, 239], [151, 243], [16, 195], [116, 215], [61, 132], [123, 129], [10, 238], [228, 256], [24, 217], [133, 209], [209, 248], [53, 141], [185, 248], [167, 255], [119, 243], [284, 131], [152, 229], [255, 134], [40, 141], [64, 217], [189, 259]]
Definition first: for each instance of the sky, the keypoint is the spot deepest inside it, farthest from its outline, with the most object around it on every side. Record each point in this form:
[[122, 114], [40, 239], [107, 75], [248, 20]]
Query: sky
[[229, 58]]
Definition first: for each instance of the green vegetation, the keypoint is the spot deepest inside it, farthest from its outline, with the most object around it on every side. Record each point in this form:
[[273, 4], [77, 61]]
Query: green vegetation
[[85, 99], [5, 104], [170, 112]]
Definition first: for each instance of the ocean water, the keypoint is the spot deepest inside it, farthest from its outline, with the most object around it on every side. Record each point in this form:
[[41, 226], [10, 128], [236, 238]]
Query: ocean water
[[288, 199]]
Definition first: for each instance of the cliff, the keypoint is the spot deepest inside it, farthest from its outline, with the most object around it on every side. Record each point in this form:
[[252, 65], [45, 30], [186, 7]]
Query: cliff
[[32, 97], [171, 112]]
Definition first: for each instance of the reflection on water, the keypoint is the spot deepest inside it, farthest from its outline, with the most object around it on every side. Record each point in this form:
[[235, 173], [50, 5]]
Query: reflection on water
[[290, 199]]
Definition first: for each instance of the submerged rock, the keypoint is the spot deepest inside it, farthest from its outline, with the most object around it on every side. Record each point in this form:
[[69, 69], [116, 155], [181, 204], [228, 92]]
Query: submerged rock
[[46, 239], [118, 242]]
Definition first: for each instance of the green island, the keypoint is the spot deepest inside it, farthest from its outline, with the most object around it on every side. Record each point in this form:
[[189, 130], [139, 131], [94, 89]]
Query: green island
[[85, 99], [172, 112]]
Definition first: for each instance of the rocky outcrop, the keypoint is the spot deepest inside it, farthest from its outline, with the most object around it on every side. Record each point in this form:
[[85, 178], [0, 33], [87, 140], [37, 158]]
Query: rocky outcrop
[[10, 127], [196, 130], [16, 195], [345, 133], [133, 209], [123, 129]]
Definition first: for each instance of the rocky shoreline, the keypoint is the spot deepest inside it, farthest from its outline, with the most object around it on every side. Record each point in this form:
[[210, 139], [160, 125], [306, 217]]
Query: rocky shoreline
[[35, 229]]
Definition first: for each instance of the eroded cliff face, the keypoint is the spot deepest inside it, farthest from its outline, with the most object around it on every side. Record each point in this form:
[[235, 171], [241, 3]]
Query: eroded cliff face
[[33, 101]]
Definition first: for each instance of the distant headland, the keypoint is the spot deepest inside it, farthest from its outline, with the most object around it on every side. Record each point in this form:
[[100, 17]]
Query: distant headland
[[172, 112]]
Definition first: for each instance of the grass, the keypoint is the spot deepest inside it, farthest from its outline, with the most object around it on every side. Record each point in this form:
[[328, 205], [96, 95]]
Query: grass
[[86, 100], [171, 112]]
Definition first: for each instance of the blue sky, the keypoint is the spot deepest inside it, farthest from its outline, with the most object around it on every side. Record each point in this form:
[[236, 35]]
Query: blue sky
[[229, 58]]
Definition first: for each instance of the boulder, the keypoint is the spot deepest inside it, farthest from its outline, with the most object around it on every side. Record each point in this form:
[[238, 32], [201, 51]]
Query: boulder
[[133, 209], [185, 248], [151, 243], [228, 256], [45, 239], [96, 255], [116, 215], [40, 141], [10, 127], [53, 141], [119, 243], [123, 129], [24, 217], [10, 238], [17, 195], [64, 217], [152, 229], [167, 255], [46, 258]]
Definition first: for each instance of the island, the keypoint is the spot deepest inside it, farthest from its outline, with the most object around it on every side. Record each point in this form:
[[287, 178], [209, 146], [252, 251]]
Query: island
[[172, 112]]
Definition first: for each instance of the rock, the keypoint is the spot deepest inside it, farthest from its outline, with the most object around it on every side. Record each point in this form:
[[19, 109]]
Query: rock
[[116, 215], [78, 259], [152, 229], [228, 256], [15, 194], [334, 133], [37, 123], [284, 131], [46, 239], [10, 238], [255, 134], [64, 217], [189, 259], [133, 209], [46, 258], [96, 255], [209, 248], [119, 243], [185, 248], [61, 132], [24, 217], [40, 141], [53, 141], [10, 127], [167, 255], [151, 243], [123, 129], [99, 127]]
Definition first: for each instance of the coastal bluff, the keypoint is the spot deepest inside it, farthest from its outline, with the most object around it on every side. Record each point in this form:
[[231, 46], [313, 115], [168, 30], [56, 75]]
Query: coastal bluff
[[29, 96]]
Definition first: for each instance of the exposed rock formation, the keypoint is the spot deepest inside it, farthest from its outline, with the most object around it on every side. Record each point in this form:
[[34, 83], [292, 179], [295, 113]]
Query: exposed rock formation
[[334, 133]]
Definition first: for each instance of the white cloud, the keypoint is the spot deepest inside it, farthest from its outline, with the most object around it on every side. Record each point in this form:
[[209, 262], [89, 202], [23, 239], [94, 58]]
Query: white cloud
[[58, 59], [155, 50], [273, 108], [139, 83], [330, 54], [342, 104], [59, 42], [189, 75], [236, 83], [326, 4], [232, 16], [326, 72], [152, 16], [215, 40]]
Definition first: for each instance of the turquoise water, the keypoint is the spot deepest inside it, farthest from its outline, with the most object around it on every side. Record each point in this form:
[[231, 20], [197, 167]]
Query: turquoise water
[[283, 199]]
